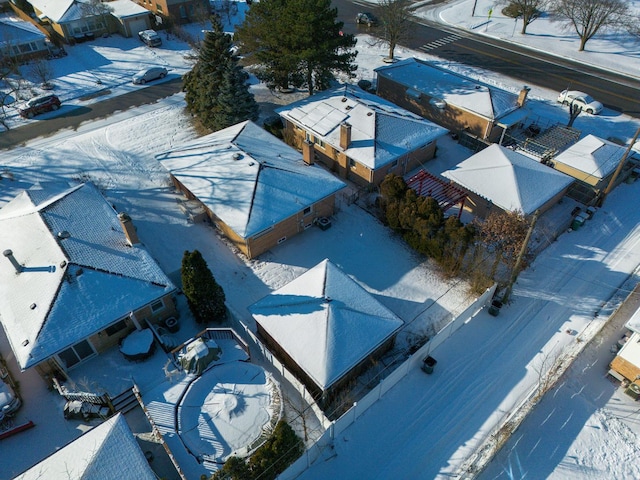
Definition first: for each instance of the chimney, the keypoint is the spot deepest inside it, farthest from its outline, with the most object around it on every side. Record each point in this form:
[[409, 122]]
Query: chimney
[[522, 96], [307, 152], [345, 135], [9, 254], [128, 228]]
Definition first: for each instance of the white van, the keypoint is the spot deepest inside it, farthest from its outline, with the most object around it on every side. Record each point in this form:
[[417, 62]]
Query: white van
[[150, 38]]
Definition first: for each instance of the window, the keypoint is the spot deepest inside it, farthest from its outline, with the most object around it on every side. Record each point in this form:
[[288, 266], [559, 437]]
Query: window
[[306, 211], [113, 329], [76, 354], [319, 142], [159, 7], [183, 12], [156, 306], [352, 163], [309, 138]]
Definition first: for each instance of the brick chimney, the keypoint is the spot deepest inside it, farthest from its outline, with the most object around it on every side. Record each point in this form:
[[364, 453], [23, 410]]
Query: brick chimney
[[307, 152], [128, 228], [522, 96], [9, 254], [345, 135]]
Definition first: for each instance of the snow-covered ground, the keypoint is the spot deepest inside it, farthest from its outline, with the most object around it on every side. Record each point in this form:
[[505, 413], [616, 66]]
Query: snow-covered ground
[[427, 426]]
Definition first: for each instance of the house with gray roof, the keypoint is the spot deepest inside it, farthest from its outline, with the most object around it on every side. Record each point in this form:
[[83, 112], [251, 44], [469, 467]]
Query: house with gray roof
[[500, 178], [108, 451], [459, 103], [21, 40], [256, 189], [325, 328], [358, 135], [75, 278]]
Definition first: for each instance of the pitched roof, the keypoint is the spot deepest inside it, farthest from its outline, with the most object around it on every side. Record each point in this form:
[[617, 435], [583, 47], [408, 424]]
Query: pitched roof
[[127, 8], [14, 31], [102, 452], [68, 288], [484, 100], [56, 10], [381, 132], [593, 156], [510, 180], [248, 178], [326, 322]]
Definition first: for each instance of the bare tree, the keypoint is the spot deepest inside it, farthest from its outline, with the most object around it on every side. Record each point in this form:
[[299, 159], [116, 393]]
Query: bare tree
[[395, 16], [41, 69], [528, 10], [98, 8], [588, 17]]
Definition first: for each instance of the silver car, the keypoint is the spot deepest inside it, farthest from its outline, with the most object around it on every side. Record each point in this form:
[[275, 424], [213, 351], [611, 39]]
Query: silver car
[[148, 74], [9, 401]]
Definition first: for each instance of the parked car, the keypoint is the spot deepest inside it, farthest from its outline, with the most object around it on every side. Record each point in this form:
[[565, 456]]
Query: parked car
[[38, 105], [581, 99], [148, 74], [366, 18], [150, 38], [9, 401]]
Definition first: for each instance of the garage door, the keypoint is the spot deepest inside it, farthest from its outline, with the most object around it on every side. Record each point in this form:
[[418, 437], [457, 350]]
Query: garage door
[[136, 26]]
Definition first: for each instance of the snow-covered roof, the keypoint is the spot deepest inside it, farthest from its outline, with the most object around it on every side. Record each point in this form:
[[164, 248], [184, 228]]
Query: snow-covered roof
[[484, 100], [15, 31], [325, 321], [250, 179], [126, 8], [78, 274], [509, 179], [61, 11], [381, 132], [593, 156], [102, 452]]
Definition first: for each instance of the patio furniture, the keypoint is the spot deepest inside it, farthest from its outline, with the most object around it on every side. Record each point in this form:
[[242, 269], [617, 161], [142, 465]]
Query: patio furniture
[[138, 345]]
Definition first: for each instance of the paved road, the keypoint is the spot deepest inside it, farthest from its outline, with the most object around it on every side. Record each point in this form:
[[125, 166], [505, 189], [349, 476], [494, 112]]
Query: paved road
[[617, 92], [76, 116]]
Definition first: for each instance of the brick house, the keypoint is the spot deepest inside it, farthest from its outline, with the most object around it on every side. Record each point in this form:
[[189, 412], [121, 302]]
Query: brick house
[[498, 177], [325, 328], [454, 101], [75, 278], [360, 136], [257, 190]]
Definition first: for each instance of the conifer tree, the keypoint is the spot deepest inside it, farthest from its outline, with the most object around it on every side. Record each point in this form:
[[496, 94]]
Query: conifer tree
[[298, 43], [204, 296], [204, 82], [235, 103]]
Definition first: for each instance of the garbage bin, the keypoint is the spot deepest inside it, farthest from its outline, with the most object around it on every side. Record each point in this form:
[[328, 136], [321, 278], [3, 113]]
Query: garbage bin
[[172, 324], [428, 364], [495, 307]]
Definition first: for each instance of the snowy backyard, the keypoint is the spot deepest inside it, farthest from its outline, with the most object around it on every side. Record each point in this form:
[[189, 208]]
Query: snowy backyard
[[427, 426]]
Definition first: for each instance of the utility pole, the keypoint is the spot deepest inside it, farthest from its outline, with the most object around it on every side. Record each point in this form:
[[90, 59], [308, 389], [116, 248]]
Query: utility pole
[[523, 250], [607, 190]]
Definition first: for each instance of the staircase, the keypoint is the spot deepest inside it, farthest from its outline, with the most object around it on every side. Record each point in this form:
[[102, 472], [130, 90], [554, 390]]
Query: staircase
[[124, 402]]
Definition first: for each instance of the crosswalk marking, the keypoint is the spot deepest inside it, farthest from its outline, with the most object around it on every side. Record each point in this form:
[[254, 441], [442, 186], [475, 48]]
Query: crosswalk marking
[[440, 42]]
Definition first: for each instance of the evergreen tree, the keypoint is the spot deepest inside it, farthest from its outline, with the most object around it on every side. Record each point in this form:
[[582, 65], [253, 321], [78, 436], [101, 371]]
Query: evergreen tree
[[298, 42], [235, 103], [204, 296], [233, 469], [216, 88]]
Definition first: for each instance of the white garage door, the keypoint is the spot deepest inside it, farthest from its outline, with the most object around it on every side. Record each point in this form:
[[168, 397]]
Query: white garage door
[[136, 26]]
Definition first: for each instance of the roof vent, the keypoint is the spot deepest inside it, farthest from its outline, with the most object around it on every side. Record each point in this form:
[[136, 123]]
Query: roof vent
[[25, 343], [79, 272], [478, 87], [327, 299], [33, 306], [348, 107], [344, 99], [369, 114], [237, 156], [64, 234], [63, 263]]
